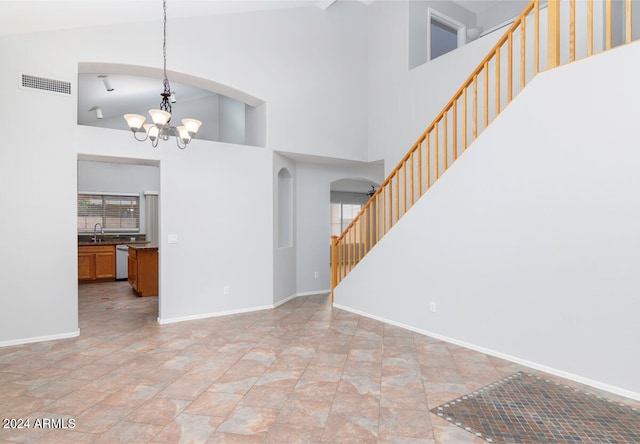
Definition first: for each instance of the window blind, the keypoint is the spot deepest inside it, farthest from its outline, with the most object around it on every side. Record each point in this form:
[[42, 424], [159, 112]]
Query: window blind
[[112, 212]]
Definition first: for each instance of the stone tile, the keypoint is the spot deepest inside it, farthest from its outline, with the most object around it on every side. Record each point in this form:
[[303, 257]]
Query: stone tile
[[285, 433], [183, 388], [279, 378], [131, 395], [76, 402], [341, 429], [158, 411], [303, 372], [233, 383], [403, 398], [65, 436], [305, 413], [100, 418], [246, 420], [268, 397], [214, 404], [405, 423], [359, 385], [188, 428], [129, 432], [314, 391]]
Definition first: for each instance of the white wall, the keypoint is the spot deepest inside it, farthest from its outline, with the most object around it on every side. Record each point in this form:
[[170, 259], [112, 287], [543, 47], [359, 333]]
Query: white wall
[[308, 64], [529, 244], [403, 102], [500, 12], [107, 177], [313, 231], [285, 264], [219, 193], [218, 198]]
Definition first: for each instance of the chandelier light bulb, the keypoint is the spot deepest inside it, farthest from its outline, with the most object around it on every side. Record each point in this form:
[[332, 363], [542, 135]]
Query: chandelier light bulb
[[183, 134], [152, 131], [134, 121], [159, 117], [192, 125]]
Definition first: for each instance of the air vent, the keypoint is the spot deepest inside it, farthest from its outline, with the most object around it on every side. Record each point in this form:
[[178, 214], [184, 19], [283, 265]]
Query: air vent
[[42, 83]]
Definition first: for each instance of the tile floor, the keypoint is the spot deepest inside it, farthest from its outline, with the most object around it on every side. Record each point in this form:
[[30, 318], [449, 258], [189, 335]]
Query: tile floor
[[302, 373]]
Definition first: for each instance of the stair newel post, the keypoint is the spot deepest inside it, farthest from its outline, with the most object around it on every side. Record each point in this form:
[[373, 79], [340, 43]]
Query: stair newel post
[[553, 8], [334, 265]]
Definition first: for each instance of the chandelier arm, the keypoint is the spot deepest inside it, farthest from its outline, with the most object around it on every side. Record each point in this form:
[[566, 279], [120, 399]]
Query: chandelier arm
[[146, 135], [182, 147]]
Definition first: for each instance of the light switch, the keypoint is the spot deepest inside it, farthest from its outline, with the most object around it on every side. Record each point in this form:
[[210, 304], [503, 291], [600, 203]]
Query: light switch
[[172, 239]]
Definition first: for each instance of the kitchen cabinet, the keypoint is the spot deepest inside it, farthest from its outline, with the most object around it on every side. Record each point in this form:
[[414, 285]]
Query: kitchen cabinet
[[96, 263], [143, 270]]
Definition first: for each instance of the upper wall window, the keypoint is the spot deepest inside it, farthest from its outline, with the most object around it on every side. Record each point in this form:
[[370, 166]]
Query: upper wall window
[[444, 34]]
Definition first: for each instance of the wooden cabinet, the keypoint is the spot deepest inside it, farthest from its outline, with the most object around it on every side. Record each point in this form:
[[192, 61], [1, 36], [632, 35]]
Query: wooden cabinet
[[96, 263], [143, 270]]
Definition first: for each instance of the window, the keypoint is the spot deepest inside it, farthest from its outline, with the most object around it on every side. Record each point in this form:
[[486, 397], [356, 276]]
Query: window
[[444, 34], [341, 216], [114, 212]]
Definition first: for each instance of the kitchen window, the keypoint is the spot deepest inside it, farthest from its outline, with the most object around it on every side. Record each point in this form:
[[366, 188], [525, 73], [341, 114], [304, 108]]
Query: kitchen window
[[114, 212]]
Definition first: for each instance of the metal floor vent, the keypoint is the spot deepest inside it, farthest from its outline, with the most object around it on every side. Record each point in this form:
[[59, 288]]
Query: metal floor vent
[[44, 84]]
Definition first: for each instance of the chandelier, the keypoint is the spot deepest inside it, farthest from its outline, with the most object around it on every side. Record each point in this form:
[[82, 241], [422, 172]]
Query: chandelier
[[161, 128]]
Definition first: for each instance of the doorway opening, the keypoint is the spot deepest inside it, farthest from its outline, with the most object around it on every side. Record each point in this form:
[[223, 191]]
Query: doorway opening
[[118, 221]]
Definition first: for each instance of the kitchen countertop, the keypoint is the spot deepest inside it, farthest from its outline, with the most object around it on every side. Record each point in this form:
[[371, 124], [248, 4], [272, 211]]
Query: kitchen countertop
[[112, 242], [143, 247]]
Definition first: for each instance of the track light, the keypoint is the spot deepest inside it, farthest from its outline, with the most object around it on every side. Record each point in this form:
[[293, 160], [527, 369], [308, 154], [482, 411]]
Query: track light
[[106, 82], [98, 111]]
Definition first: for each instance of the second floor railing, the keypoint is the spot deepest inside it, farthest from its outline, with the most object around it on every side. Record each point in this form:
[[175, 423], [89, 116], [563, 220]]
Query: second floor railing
[[544, 36]]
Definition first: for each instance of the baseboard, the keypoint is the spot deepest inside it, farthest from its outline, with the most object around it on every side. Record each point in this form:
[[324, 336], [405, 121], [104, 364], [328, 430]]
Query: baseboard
[[553, 371], [285, 300], [73, 334], [243, 310], [211, 315], [312, 293]]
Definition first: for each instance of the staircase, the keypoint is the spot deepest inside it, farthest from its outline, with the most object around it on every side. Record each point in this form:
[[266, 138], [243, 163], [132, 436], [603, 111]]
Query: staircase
[[547, 34]]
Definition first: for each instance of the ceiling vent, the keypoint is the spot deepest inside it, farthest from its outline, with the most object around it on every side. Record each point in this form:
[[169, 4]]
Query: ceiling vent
[[43, 84]]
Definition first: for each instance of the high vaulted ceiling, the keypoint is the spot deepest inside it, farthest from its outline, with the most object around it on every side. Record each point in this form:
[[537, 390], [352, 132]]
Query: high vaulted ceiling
[[23, 16]]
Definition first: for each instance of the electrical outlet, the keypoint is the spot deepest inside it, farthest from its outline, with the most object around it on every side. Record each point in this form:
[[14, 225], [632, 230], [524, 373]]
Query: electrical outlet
[[225, 290], [432, 307], [315, 274]]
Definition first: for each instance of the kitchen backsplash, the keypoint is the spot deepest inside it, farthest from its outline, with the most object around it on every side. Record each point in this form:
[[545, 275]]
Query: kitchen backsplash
[[113, 237]]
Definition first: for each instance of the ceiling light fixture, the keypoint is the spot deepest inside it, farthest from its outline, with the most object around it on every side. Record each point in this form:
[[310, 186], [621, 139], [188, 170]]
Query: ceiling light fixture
[[106, 82], [97, 110], [161, 127]]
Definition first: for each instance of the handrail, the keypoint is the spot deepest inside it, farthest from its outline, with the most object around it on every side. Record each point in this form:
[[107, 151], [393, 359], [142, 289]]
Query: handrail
[[433, 150]]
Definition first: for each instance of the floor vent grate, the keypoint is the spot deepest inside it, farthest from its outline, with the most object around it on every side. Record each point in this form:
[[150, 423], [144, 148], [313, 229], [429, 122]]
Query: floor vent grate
[[45, 84]]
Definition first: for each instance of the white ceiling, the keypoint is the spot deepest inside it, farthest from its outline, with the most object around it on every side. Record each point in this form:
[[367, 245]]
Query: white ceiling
[[17, 17], [24, 16]]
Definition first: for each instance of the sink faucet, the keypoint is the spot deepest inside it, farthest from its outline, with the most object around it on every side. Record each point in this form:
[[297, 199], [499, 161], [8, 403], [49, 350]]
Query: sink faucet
[[95, 231]]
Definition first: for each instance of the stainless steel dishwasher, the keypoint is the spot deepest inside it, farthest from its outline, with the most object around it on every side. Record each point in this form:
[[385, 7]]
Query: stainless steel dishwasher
[[122, 261]]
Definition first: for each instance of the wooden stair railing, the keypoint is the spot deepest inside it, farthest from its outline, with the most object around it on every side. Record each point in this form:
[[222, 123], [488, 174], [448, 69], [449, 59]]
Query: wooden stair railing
[[487, 91]]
